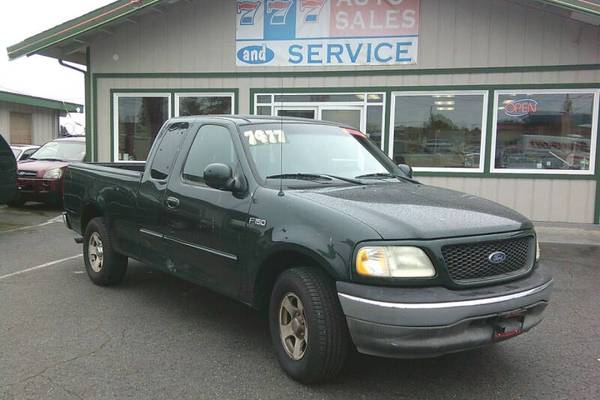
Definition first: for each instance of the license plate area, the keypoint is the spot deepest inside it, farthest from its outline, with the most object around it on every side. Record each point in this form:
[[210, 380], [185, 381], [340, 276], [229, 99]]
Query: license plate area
[[508, 325]]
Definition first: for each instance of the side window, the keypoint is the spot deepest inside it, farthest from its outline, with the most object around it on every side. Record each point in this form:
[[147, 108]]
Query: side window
[[212, 144], [167, 150], [27, 154]]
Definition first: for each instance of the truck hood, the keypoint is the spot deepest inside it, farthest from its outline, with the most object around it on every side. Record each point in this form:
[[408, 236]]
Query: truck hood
[[414, 211], [40, 166]]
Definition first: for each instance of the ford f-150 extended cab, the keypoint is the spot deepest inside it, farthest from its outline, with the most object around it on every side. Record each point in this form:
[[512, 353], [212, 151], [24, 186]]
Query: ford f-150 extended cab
[[313, 223]]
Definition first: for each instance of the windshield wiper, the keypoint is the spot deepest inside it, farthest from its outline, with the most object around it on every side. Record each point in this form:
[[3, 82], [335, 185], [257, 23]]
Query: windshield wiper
[[315, 177], [343, 178], [383, 175], [49, 159]]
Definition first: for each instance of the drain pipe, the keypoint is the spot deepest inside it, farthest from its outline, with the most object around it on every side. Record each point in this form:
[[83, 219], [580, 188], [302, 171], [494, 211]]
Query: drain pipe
[[64, 64]]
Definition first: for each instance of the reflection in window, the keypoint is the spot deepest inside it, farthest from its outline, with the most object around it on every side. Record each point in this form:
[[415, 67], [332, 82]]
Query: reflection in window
[[167, 150], [438, 131], [263, 110], [212, 144], [139, 120], [544, 131], [375, 124], [205, 105], [312, 98]]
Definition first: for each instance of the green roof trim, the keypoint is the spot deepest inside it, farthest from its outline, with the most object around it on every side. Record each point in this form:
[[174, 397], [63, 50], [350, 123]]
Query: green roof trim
[[584, 6], [40, 102], [123, 8], [75, 27]]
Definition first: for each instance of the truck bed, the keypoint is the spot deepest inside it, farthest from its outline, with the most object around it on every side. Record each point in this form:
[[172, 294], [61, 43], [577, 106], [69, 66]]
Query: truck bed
[[114, 184]]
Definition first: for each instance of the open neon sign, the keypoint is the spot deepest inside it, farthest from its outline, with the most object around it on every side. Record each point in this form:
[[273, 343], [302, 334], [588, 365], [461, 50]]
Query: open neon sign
[[519, 108]]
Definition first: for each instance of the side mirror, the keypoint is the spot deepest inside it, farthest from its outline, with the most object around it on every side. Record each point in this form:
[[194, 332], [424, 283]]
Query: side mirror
[[219, 176], [406, 170]]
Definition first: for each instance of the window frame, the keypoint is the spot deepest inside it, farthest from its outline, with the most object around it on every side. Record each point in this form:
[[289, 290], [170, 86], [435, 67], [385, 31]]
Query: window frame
[[115, 111], [543, 171], [364, 104], [484, 126], [178, 95], [202, 184]]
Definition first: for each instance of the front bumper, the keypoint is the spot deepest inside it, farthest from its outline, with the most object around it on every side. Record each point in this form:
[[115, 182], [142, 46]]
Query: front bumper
[[429, 322], [42, 190]]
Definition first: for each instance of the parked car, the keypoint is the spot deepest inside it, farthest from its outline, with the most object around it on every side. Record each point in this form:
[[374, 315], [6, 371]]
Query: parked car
[[40, 177], [8, 172], [23, 151], [271, 212]]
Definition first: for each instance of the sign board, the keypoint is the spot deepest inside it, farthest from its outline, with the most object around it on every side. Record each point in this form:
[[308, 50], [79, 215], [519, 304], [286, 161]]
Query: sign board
[[326, 32]]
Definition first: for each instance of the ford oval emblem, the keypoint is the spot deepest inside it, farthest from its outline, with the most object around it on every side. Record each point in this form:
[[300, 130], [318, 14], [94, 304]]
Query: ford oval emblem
[[497, 257], [255, 55]]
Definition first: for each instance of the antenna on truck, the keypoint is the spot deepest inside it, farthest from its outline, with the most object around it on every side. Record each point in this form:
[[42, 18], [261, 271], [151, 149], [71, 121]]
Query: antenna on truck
[[281, 136]]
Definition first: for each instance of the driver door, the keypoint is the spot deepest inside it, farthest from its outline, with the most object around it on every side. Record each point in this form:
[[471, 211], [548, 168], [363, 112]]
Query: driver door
[[204, 226]]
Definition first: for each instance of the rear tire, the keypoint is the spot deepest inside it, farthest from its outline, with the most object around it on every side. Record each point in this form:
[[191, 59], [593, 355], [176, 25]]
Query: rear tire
[[103, 264], [308, 327]]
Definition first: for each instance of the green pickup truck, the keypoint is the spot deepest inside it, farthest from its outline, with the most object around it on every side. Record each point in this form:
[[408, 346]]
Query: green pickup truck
[[314, 224]]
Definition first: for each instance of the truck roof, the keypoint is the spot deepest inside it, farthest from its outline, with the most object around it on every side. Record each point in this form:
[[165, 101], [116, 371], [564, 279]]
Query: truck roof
[[241, 119]]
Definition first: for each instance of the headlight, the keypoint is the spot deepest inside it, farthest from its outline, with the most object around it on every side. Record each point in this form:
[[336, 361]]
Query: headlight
[[394, 262], [538, 252], [55, 173]]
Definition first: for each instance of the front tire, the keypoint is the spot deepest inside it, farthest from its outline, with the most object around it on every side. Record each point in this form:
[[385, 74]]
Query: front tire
[[103, 264], [308, 327]]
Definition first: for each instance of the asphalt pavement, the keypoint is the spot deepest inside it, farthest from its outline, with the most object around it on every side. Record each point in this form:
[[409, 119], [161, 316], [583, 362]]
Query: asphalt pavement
[[157, 337]]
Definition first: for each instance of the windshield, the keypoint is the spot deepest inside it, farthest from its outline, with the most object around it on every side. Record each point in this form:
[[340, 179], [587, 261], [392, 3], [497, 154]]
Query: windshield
[[312, 149], [61, 151], [16, 152]]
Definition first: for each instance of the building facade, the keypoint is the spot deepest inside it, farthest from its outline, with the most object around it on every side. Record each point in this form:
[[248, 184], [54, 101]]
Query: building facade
[[31, 120], [496, 98]]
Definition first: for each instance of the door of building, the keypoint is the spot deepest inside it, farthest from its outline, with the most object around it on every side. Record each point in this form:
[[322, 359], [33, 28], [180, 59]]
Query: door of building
[[298, 112], [351, 116], [21, 131]]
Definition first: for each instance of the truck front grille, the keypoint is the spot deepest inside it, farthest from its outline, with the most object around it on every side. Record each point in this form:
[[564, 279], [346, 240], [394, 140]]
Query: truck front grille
[[470, 262]]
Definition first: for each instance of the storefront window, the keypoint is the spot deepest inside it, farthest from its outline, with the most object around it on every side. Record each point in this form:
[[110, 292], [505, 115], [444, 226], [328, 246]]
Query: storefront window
[[439, 131], [204, 104], [138, 120], [544, 131]]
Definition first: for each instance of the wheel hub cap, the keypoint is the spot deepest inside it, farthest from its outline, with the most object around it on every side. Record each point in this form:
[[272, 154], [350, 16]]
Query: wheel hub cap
[[96, 252], [292, 326]]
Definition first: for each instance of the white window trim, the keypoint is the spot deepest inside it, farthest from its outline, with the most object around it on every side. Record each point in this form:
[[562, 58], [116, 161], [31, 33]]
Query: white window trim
[[592, 168], [318, 105], [484, 121], [116, 97], [179, 95]]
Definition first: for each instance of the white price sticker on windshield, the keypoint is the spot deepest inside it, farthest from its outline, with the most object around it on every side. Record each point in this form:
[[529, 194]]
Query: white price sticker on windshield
[[268, 136]]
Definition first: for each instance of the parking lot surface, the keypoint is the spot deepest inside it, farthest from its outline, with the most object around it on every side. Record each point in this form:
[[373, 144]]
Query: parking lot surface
[[157, 337]]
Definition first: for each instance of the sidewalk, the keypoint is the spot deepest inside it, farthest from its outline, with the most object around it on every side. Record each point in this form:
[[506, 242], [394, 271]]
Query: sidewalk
[[557, 232]]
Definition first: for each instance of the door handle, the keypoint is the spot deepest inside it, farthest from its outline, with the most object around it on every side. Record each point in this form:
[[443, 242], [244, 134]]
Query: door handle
[[172, 202]]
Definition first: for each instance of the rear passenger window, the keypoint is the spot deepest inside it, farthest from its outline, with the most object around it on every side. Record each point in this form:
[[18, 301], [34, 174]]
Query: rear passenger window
[[212, 144], [167, 150]]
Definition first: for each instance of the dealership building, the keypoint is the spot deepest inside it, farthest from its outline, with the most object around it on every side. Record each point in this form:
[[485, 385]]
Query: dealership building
[[496, 98]]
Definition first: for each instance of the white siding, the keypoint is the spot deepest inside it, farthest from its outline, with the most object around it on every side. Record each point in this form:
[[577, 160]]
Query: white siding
[[554, 200]]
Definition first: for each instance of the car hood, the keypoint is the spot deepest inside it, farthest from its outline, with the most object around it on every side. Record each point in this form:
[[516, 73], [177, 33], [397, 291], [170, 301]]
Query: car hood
[[40, 166], [414, 211]]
